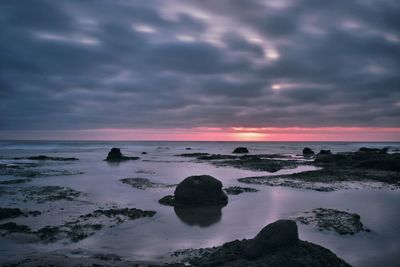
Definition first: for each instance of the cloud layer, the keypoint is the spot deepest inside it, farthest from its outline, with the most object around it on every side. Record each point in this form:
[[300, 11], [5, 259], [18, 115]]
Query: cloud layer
[[70, 65]]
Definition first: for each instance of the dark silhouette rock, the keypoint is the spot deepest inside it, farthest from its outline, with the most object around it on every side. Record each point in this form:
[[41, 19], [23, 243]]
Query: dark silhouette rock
[[240, 150], [197, 191], [324, 152], [144, 153], [276, 245], [6, 213], [373, 150], [308, 151], [276, 235], [188, 148], [116, 155]]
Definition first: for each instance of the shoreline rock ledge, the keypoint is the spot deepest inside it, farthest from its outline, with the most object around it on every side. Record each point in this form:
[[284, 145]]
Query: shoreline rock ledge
[[197, 191], [276, 245], [116, 155]]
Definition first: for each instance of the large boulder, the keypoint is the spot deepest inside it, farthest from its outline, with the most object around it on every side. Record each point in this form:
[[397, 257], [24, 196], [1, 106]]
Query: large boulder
[[197, 191], [116, 155], [282, 233], [308, 151], [324, 152], [240, 150]]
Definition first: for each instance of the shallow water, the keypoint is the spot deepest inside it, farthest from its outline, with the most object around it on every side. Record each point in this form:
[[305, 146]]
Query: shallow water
[[172, 229]]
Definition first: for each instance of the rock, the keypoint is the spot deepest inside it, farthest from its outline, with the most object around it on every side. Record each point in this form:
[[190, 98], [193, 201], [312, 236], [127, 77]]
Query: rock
[[41, 157], [373, 150], [144, 153], [143, 183], [240, 150], [188, 148], [116, 155], [6, 213], [194, 155], [341, 222], [197, 191], [308, 151], [236, 190], [276, 235], [276, 245], [324, 152], [200, 190]]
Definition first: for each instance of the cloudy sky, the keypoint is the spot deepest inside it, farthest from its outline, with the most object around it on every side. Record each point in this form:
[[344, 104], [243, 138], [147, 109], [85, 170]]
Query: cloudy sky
[[200, 70]]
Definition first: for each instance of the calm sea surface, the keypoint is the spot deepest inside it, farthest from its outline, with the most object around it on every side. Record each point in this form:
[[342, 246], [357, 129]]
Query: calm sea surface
[[170, 230]]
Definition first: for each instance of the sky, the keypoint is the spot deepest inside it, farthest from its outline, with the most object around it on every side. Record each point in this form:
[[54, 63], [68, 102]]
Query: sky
[[254, 70]]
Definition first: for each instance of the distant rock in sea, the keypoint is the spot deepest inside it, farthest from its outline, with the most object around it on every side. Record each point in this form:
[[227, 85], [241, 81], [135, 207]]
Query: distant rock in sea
[[240, 150], [308, 151], [116, 155]]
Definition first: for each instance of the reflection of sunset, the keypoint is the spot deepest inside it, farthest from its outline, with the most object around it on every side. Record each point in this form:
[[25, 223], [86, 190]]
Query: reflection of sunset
[[249, 136]]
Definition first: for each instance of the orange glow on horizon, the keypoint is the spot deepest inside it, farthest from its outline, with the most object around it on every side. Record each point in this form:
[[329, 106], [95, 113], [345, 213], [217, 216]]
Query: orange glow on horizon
[[216, 134]]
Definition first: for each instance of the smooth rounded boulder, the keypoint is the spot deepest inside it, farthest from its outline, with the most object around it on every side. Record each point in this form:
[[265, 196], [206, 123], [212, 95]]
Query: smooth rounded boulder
[[201, 190], [308, 151]]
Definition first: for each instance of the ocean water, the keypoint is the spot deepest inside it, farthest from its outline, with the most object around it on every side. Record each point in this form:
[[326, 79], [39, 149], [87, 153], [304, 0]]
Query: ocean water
[[153, 239]]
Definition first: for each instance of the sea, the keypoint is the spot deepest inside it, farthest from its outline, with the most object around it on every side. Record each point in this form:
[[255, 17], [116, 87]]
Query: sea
[[154, 239]]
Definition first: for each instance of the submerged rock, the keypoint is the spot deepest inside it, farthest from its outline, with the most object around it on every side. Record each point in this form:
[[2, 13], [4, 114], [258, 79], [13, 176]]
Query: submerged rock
[[308, 151], [324, 152], [194, 155], [116, 155], [236, 190], [276, 245], [341, 222], [42, 157], [12, 227], [197, 191], [6, 213], [143, 183], [240, 150]]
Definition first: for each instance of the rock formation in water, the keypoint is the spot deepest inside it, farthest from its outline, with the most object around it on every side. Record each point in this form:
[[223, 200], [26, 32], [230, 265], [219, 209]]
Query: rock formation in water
[[116, 155], [240, 150]]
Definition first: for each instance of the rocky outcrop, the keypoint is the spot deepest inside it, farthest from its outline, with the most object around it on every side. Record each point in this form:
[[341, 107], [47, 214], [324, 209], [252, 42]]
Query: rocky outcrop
[[276, 245], [324, 152], [116, 155], [308, 151], [240, 150], [197, 191], [236, 190]]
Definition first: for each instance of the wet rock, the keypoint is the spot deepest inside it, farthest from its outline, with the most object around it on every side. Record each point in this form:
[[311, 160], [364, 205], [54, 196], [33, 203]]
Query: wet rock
[[324, 152], [236, 190], [31, 170], [374, 150], [125, 212], [216, 157], [42, 157], [341, 222], [42, 194], [144, 153], [308, 151], [276, 245], [194, 155], [256, 163], [12, 227], [15, 181], [116, 155], [167, 200], [240, 150], [7, 213], [49, 233], [202, 190], [279, 234], [188, 148], [143, 183]]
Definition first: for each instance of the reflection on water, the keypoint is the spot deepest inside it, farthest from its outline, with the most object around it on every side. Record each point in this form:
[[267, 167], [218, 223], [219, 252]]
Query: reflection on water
[[203, 216]]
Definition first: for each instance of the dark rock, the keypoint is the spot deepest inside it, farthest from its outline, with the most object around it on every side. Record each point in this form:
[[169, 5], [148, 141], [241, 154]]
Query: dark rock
[[12, 227], [116, 155], [216, 157], [373, 150], [42, 157], [276, 235], [194, 155], [276, 245], [202, 190], [129, 213], [16, 181], [236, 190], [188, 148], [6, 213], [308, 151], [342, 222], [197, 191], [240, 150], [324, 152], [144, 153]]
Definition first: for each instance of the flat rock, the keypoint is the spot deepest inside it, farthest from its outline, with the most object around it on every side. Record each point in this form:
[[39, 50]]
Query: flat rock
[[341, 222], [144, 183], [236, 190]]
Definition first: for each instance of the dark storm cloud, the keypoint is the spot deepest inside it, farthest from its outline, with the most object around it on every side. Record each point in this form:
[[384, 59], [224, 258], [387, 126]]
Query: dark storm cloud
[[168, 64]]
